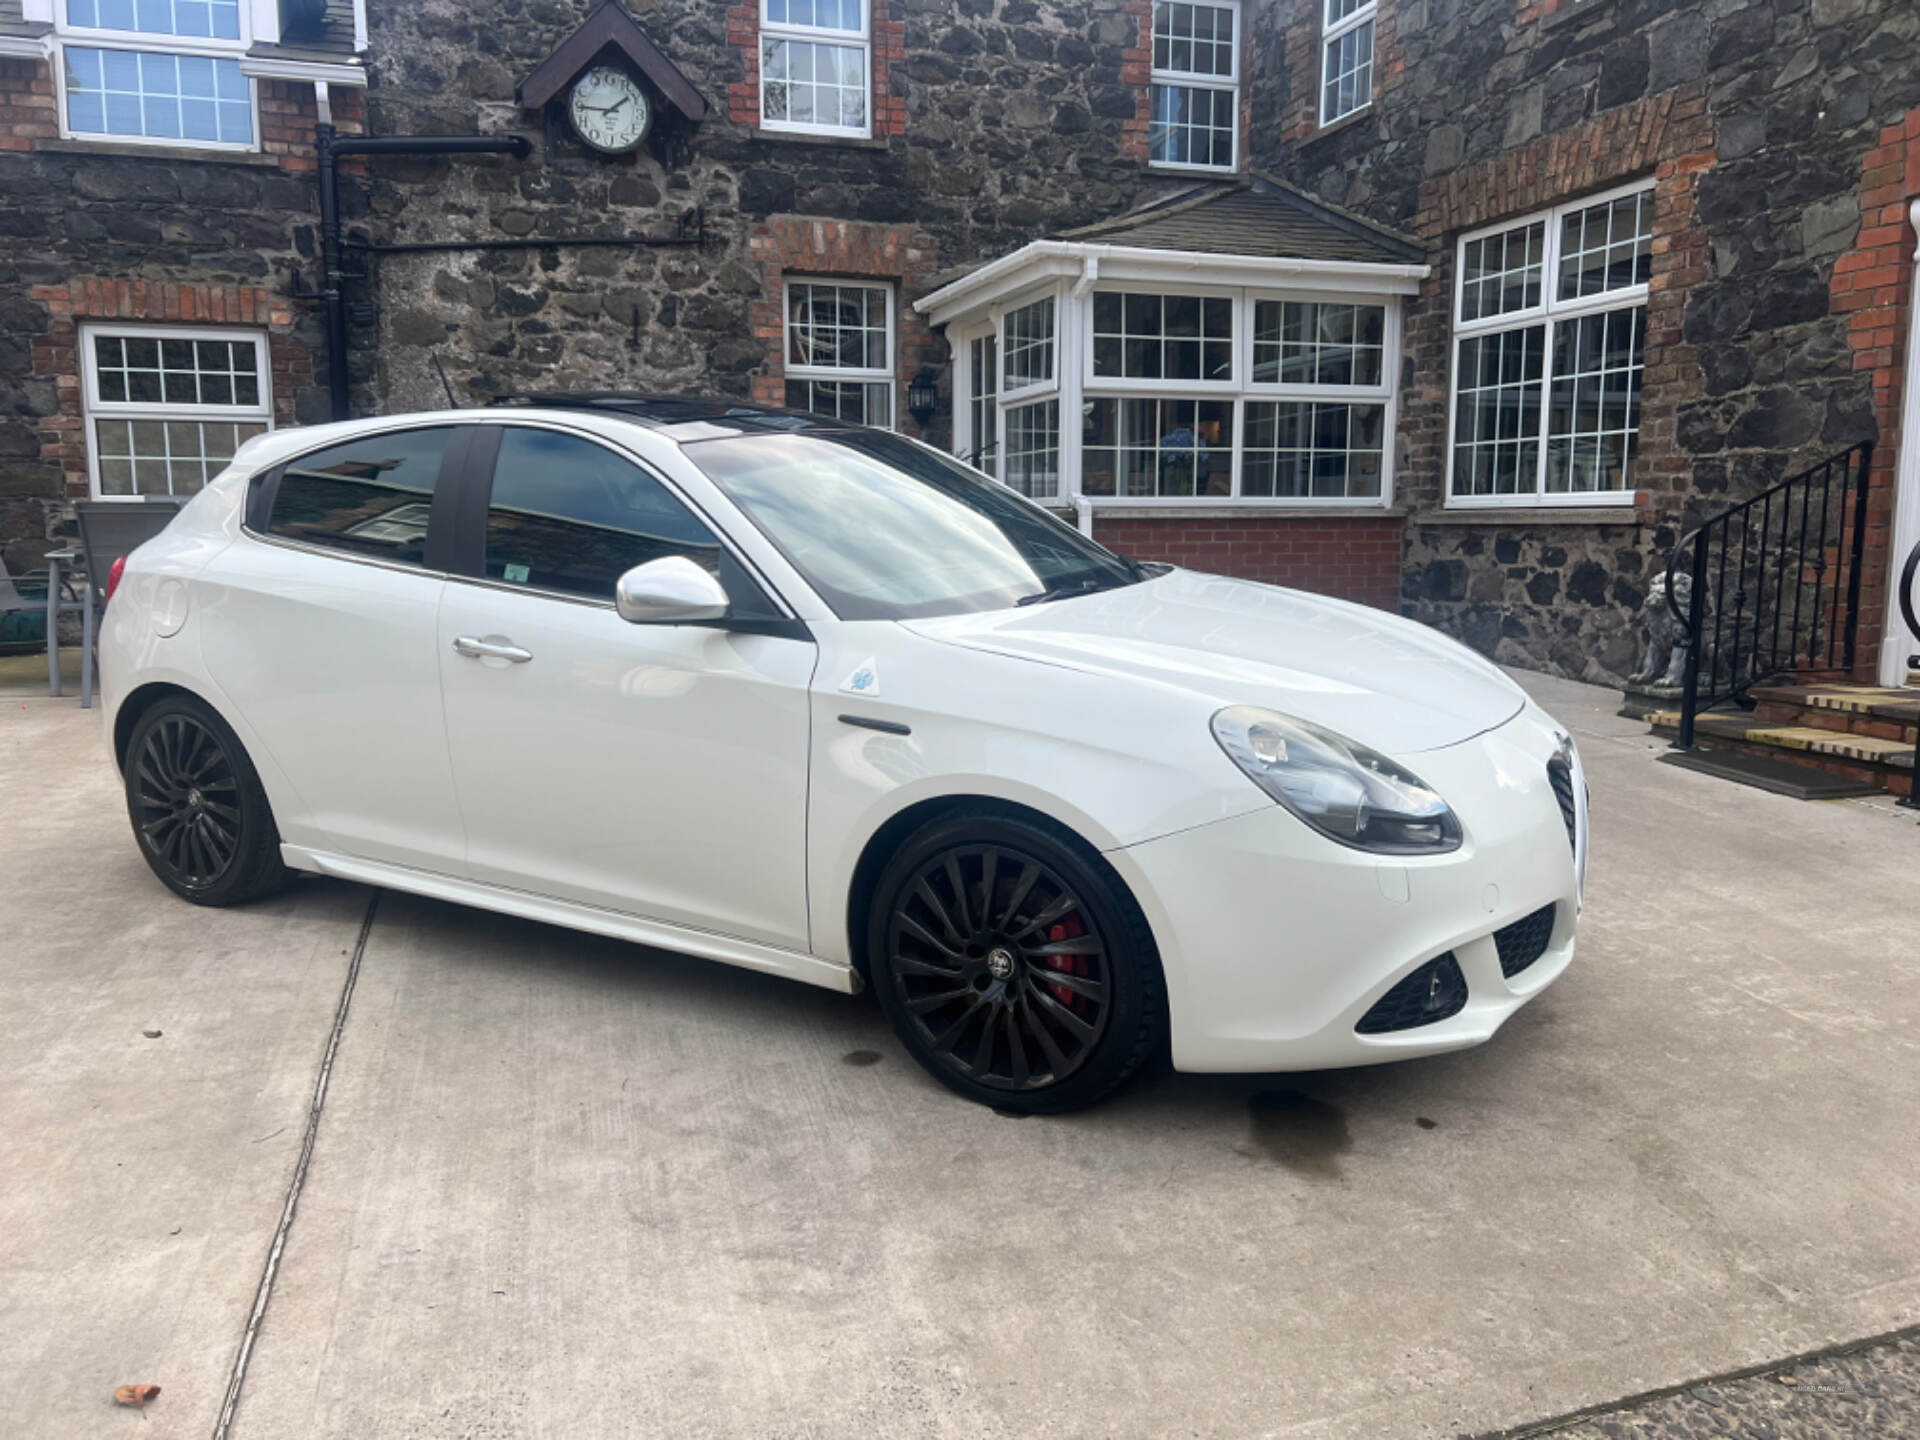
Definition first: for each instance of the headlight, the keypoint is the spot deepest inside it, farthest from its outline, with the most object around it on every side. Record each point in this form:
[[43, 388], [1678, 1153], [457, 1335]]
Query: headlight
[[1338, 786]]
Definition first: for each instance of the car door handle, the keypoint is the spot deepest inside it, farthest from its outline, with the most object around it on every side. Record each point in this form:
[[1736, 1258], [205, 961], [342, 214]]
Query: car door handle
[[479, 649]]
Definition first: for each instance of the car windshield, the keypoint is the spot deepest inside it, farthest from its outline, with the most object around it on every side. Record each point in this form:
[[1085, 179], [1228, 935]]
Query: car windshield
[[884, 529]]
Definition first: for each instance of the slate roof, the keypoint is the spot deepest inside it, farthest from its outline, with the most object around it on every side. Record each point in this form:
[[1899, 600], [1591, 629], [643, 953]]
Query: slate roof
[[13, 21], [1263, 217], [331, 43]]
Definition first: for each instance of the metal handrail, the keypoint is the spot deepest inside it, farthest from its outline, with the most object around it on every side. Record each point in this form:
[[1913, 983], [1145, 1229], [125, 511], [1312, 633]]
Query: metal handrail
[[1907, 576], [1808, 586]]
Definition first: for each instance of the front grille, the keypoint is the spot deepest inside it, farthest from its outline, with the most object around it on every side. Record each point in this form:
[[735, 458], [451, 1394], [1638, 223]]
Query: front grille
[[1560, 776], [1434, 992], [1524, 941]]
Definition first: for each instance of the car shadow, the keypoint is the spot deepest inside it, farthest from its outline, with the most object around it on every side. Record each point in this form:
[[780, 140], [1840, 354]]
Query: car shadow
[[1304, 1123]]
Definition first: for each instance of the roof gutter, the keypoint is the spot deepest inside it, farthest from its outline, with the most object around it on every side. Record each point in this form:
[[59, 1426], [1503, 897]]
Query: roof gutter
[[979, 287]]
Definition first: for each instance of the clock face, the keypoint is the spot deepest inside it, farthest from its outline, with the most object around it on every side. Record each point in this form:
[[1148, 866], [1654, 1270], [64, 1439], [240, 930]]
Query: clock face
[[609, 110]]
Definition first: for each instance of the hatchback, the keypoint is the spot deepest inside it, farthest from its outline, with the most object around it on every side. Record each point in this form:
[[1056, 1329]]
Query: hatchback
[[821, 701]]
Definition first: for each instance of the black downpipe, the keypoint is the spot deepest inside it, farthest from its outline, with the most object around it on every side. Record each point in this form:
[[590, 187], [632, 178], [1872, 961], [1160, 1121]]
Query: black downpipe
[[333, 279]]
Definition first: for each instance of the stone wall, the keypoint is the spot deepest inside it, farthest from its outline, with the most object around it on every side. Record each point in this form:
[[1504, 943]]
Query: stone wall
[[1756, 117], [1002, 120], [171, 235]]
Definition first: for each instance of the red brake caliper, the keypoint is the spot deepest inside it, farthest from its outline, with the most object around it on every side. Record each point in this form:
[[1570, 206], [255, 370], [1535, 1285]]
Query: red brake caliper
[[1068, 929]]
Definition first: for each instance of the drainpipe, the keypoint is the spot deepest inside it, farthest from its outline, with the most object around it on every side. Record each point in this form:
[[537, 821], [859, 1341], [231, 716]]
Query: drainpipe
[[333, 280]]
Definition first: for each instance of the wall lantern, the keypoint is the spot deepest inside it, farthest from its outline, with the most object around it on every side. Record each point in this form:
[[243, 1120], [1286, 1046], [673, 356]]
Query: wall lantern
[[923, 396]]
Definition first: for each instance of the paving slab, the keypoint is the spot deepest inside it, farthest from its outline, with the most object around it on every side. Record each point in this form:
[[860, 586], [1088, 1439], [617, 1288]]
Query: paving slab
[[140, 1179], [568, 1187]]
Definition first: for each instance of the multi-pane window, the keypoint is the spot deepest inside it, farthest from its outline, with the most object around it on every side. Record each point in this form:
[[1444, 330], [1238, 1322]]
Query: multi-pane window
[[1305, 342], [166, 409], [983, 390], [1029, 345], [815, 64], [183, 87], [1032, 457], [1549, 352], [1162, 337], [1323, 449], [1195, 97], [839, 350], [1346, 73], [1157, 446]]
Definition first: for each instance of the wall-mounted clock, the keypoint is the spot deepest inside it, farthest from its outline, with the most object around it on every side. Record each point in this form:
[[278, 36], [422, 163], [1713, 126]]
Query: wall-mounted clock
[[609, 110]]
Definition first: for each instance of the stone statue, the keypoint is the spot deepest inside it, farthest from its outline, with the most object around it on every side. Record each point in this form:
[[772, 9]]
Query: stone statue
[[1666, 621]]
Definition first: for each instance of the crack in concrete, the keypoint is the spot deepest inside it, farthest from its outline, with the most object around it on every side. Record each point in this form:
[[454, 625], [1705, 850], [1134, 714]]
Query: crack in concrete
[[223, 1427]]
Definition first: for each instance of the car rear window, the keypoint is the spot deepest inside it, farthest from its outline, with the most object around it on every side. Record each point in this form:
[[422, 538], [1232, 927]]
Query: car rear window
[[368, 496]]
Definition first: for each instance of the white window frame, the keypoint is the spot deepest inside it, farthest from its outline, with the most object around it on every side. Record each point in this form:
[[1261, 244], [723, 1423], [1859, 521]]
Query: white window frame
[[846, 373], [94, 408], [1330, 32], [965, 442], [1195, 80], [1548, 313], [1075, 384], [143, 42], [818, 35]]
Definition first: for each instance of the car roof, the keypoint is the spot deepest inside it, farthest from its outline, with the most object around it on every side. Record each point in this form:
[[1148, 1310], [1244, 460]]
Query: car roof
[[667, 412]]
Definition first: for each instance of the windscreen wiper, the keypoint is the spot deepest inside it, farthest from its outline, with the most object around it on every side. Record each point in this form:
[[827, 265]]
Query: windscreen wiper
[[1066, 592]]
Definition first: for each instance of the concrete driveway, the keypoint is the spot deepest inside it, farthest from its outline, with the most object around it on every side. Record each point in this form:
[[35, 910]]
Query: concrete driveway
[[564, 1187]]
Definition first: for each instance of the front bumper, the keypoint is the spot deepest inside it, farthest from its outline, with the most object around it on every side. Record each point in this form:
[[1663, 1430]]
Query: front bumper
[[1276, 941]]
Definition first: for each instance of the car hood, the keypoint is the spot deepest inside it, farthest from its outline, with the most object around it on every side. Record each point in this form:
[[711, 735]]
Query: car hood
[[1379, 679]]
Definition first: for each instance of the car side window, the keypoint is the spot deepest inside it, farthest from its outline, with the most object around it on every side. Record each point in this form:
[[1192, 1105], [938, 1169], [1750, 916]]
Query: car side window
[[570, 515], [370, 496]]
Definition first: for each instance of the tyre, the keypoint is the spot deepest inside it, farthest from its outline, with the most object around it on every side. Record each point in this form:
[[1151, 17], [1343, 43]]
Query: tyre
[[1014, 964], [198, 812]]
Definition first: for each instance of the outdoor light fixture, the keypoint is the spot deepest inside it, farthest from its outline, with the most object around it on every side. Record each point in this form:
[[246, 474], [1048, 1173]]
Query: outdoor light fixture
[[923, 396]]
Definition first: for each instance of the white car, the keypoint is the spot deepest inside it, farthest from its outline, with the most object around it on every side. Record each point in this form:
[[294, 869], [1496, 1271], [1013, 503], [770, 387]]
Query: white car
[[818, 700]]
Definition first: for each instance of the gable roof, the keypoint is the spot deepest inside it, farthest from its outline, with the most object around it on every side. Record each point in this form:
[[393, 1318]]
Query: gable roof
[[610, 24], [1263, 217]]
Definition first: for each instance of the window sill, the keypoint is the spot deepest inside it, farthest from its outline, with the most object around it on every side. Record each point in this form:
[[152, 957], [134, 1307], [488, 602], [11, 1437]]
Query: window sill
[[172, 154], [1334, 127], [1211, 172], [1627, 514], [1240, 510], [809, 137]]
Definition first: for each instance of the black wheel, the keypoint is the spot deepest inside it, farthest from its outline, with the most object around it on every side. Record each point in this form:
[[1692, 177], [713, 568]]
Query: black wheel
[[197, 807], [1013, 964]]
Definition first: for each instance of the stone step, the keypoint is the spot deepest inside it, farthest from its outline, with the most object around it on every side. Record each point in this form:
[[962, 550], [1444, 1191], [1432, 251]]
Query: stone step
[[1881, 702], [1886, 764]]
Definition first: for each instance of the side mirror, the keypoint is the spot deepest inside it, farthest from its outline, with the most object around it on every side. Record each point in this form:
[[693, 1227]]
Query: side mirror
[[669, 591]]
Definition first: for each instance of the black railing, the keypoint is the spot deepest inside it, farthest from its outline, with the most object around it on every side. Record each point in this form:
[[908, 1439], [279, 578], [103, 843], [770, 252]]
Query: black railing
[[1908, 600], [1774, 585]]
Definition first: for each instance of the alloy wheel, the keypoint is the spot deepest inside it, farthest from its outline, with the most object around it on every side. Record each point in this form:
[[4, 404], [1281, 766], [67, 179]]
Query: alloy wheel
[[1000, 966], [188, 801]]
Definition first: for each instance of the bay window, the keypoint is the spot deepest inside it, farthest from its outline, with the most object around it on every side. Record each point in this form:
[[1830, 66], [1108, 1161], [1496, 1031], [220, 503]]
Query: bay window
[[1142, 393], [1549, 350], [816, 63], [160, 71], [839, 350], [1194, 93]]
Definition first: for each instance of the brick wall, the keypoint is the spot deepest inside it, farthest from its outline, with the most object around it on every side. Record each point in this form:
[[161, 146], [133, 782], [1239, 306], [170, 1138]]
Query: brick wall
[[889, 56], [1872, 286], [30, 113], [63, 440], [790, 248], [1351, 558]]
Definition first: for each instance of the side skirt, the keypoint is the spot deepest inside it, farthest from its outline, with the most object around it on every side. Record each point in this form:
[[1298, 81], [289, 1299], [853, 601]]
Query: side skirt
[[703, 943]]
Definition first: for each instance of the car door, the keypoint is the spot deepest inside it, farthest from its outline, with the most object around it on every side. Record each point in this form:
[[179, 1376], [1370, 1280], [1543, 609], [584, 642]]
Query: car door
[[318, 624], [657, 770]]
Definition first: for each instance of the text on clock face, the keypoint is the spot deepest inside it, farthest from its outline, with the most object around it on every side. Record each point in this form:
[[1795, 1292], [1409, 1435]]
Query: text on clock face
[[608, 109]]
